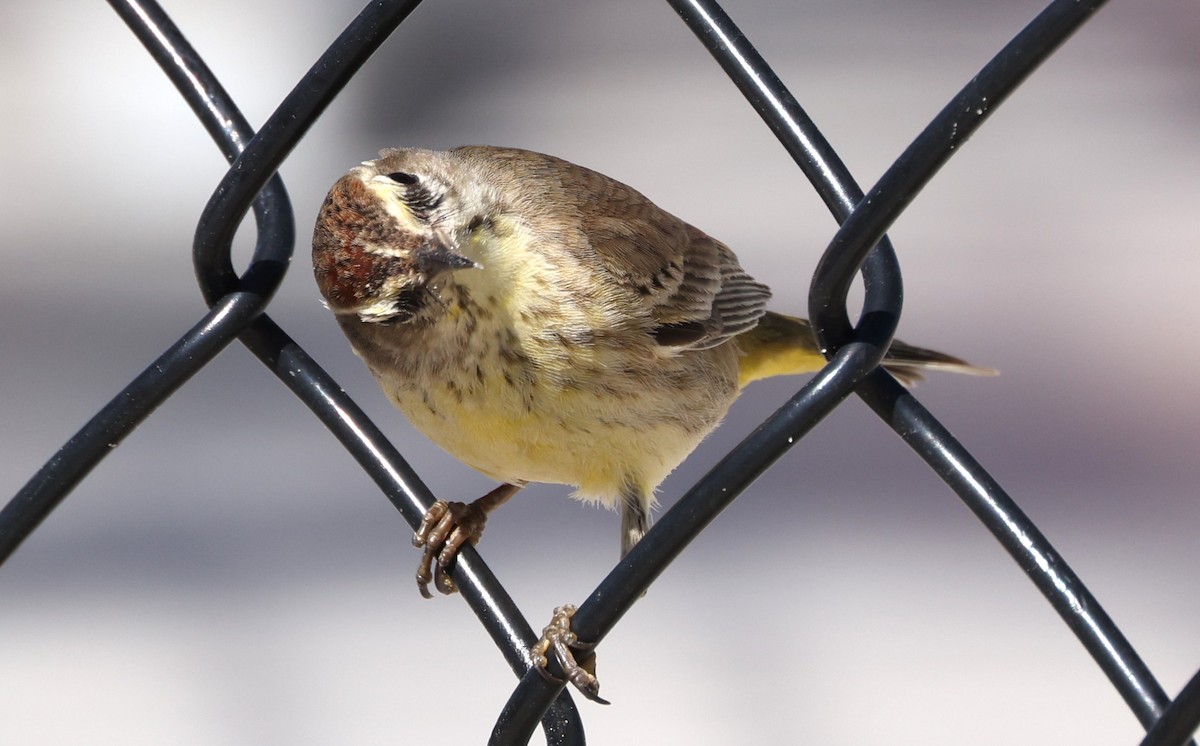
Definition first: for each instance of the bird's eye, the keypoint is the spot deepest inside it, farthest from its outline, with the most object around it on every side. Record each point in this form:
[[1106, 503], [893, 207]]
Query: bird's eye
[[402, 178]]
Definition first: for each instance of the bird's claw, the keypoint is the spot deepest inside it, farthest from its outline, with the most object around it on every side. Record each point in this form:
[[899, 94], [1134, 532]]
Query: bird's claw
[[558, 638], [443, 531]]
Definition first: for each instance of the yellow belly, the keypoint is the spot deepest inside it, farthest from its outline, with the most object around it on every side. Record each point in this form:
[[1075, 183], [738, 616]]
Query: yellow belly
[[595, 438]]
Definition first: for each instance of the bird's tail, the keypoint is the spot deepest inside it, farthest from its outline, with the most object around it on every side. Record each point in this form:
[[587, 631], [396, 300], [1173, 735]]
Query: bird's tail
[[784, 345]]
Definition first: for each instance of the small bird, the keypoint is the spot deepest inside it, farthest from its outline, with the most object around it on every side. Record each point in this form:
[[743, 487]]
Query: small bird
[[542, 322]]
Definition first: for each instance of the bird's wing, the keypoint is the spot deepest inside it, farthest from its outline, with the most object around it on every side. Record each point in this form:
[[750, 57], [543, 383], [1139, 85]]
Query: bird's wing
[[692, 286]]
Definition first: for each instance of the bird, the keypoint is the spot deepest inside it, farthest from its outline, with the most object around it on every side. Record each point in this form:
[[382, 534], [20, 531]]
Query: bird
[[543, 322]]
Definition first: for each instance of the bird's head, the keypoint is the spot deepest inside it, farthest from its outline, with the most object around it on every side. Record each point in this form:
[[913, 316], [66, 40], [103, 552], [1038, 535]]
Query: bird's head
[[385, 234]]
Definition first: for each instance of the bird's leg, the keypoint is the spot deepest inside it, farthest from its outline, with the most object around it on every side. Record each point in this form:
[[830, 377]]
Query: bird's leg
[[558, 637], [635, 518], [445, 528], [576, 658]]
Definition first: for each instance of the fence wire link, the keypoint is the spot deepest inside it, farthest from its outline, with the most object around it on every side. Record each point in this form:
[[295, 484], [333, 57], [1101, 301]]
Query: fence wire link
[[237, 304]]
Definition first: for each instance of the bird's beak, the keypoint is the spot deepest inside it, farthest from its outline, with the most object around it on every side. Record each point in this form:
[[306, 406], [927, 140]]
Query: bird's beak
[[433, 258]]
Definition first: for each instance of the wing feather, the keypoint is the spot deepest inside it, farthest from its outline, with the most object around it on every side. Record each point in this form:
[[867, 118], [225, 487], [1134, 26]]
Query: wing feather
[[692, 286]]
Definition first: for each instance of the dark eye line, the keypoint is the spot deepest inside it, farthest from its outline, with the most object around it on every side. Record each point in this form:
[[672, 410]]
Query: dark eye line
[[421, 201], [418, 197]]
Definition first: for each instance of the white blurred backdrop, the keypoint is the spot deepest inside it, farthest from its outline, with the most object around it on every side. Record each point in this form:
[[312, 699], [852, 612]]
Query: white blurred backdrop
[[229, 576]]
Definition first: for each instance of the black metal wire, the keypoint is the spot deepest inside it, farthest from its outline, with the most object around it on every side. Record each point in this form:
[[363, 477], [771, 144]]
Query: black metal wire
[[614, 596], [237, 305], [1181, 719], [948, 131], [862, 230], [831, 281], [230, 312], [105, 431], [479, 587], [773, 101], [1027, 545]]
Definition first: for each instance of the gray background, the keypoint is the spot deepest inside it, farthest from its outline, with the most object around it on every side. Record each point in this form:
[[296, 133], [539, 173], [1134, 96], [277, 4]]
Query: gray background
[[229, 576]]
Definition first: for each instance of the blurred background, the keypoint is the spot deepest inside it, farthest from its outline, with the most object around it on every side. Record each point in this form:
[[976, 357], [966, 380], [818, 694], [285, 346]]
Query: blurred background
[[228, 575]]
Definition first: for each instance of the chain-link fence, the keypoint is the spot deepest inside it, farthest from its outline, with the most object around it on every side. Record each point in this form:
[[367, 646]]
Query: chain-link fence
[[238, 303]]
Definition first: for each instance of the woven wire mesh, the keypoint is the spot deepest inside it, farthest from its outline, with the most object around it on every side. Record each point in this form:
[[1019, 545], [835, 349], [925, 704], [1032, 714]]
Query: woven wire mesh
[[238, 303]]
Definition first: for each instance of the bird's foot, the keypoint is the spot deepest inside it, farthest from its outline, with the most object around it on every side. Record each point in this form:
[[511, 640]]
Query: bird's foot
[[558, 639], [445, 528]]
